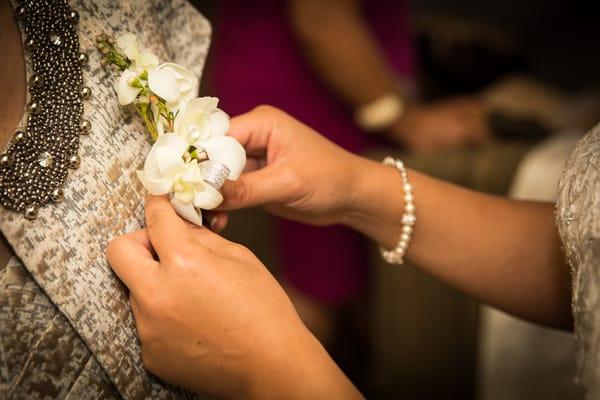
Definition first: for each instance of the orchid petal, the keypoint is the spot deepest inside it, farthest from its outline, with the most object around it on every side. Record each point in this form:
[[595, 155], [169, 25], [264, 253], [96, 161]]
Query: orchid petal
[[151, 165], [208, 199], [183, 197], [206, 104], [175, 106], [227, 151], [169, 151], [156, 186], [148, 59], [125, 92], [185, 77], [129, 45], [194, 117], [191, 174], [187, 212], [218, 123], [164, 84]]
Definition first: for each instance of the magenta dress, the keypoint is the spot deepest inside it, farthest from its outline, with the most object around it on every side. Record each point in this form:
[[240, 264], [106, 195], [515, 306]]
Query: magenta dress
[[257, 61]]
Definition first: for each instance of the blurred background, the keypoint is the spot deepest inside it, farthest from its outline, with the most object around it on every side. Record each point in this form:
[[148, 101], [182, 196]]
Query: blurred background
[[497, 93]]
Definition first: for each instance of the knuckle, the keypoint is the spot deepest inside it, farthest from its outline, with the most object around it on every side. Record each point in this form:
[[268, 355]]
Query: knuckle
[[114, 247], [182, 258], [243, 191], [291, 179], [265, 109], [241, 252], [238, 250]]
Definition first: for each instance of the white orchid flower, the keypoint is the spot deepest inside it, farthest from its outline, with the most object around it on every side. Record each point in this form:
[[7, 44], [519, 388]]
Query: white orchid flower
[[126, 93], [204, 126], [174, 83], [166, 172], [140, 61]]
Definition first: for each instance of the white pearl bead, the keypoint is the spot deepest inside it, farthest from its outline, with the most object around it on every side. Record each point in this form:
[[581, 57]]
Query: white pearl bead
[[396, 256]]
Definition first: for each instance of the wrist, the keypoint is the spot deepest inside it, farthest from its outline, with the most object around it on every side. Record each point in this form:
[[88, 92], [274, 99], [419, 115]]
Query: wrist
[[377, 203], [299, 368]]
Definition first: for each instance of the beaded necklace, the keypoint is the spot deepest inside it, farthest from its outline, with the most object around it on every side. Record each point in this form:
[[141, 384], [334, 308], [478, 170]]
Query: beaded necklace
[[35, 166]]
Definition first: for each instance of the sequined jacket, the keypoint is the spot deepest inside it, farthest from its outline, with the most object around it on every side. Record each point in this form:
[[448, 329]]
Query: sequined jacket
[[66, 330]]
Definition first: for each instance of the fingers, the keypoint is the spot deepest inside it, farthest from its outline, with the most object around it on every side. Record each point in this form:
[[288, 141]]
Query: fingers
[[217, 220], [253, 163], [264, 186], [218, 245], [253, 130], [167, 232], [211, 240], [130, 256]]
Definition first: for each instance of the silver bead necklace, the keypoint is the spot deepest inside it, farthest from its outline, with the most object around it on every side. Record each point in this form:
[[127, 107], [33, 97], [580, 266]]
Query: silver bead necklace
[[34, 167]]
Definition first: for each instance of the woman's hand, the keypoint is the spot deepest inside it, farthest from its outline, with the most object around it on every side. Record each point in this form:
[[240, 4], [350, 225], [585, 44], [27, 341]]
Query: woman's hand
[[212, 318], [449, 124], [292, 170], [296, 173]]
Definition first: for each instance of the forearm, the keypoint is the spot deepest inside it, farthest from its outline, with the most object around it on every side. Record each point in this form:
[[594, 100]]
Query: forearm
[[505, 253], [341, 49], [302, 369]]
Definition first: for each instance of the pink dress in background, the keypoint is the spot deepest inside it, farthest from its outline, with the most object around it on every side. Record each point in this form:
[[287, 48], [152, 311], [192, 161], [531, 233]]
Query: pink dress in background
[[257, 61]]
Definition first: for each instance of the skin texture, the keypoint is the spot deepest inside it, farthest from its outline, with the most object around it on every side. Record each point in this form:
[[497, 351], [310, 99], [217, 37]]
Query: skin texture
[[12, 86], [506, 253], [174, 269], [334, 33]]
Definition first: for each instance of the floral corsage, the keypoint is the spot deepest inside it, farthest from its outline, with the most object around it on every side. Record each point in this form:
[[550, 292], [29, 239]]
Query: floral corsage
[[191, 156]]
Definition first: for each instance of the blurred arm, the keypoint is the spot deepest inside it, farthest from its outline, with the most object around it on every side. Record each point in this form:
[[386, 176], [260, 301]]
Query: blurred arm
[[341, 49]]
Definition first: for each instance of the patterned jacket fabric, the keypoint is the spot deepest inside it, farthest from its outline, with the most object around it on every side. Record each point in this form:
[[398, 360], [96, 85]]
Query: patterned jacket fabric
[[578, 219], [66, 329]]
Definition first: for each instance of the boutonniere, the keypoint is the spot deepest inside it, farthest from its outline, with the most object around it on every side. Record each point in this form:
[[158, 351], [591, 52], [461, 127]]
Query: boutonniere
[[191, 156]]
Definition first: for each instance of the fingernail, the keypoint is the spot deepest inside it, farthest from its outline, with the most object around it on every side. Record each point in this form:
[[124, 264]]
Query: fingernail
[[213, 223]]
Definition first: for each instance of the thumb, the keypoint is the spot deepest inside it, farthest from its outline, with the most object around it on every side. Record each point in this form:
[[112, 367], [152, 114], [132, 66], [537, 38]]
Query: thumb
[[264, 186]]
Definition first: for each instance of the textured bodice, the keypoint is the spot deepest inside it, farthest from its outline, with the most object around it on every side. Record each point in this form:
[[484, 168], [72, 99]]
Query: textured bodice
[[578, 220]]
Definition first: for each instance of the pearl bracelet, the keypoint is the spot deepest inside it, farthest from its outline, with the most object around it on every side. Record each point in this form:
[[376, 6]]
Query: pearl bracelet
[[396, 255]]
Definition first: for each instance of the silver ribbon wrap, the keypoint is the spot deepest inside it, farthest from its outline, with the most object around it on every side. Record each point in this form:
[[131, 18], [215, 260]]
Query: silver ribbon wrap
[[214, 173]]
